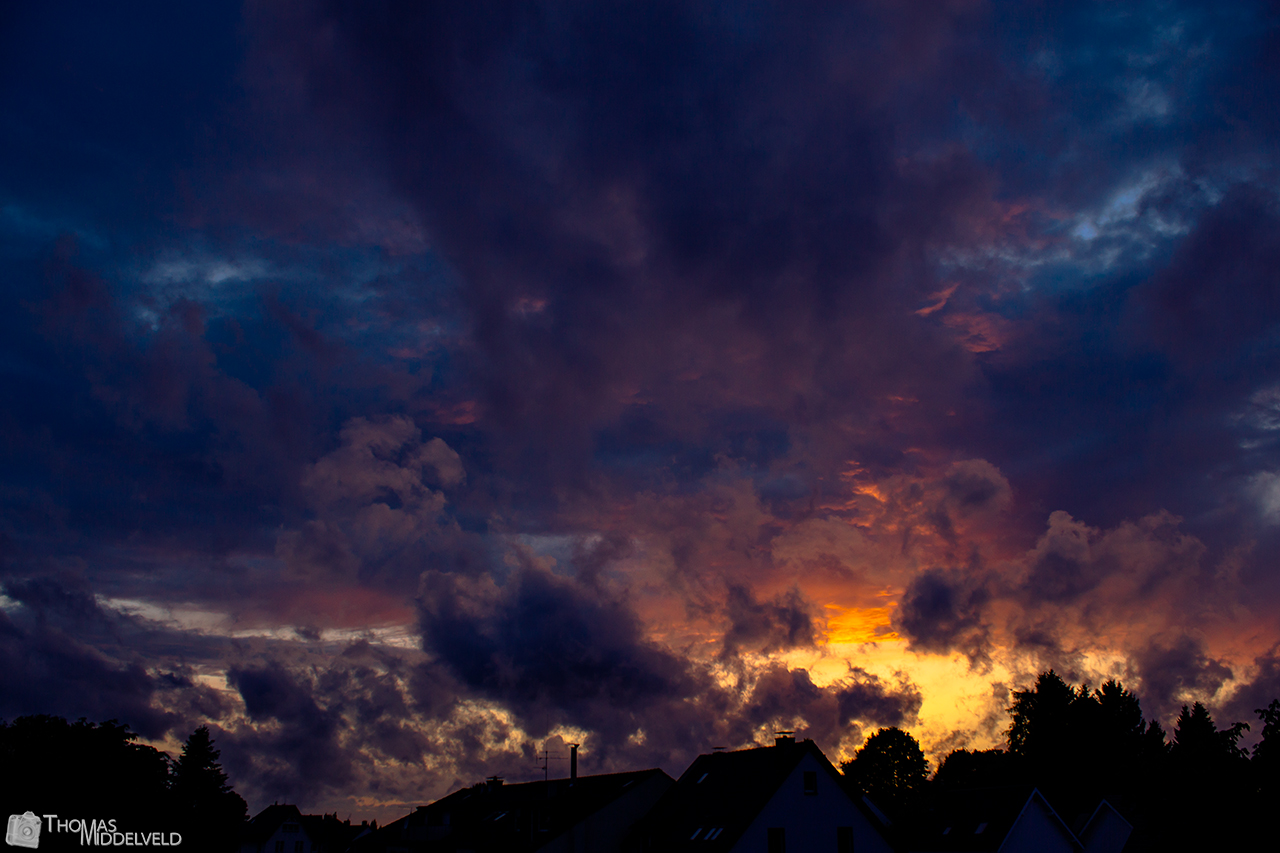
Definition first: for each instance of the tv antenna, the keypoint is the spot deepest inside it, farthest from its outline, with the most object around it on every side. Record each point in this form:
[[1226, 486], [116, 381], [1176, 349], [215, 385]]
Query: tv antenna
[[545, 757]]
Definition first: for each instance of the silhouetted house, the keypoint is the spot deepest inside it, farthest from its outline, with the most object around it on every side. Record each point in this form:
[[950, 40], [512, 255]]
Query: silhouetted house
[[1014, 819], [283, 829], [1106, 831], [764, 800], [589, 814]]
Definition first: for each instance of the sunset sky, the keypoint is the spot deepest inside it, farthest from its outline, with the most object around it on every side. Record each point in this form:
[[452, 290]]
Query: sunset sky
[[401, 389]]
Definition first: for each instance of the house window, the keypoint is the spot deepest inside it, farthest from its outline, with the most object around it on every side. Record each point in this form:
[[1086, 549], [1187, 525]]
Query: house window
[[299, 847], [279, 847], [777, 840], [811, 781], [290, 827], [844, 839]]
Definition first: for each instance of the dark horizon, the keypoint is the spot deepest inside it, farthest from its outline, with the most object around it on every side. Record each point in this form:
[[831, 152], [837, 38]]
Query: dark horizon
[[402, 391]]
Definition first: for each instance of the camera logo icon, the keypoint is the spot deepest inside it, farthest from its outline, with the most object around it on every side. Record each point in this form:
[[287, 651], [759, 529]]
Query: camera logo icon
[[24, 831]]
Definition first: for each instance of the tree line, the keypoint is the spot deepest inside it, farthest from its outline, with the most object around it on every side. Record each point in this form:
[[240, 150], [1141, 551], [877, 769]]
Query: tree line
[[85, 771], [1196, 788]]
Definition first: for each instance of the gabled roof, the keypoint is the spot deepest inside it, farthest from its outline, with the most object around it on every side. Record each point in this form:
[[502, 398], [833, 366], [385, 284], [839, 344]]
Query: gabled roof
[[495, 816], [332, 834], [721, 793], [1106, 830], [326, 830], [977, 820], [267, 821]]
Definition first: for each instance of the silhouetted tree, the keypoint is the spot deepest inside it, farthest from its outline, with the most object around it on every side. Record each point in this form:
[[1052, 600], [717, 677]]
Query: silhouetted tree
[[1116, 752], [985, 768], [1199, 745], [1196, 791], [1206, 796], [890, 768], [1155, 744], [1266, 753], [1042, 719], [83, 770], [212, 812], [1117, 726], [1053, 731]]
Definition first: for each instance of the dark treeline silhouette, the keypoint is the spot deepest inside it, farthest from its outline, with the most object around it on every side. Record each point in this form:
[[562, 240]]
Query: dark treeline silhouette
[[1195, 789], [97, 771], [891, 769]]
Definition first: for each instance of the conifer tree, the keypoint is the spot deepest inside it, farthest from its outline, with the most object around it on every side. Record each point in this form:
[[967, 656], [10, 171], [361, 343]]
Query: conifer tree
[[1045, 719], [1209, 779], [212, 811]]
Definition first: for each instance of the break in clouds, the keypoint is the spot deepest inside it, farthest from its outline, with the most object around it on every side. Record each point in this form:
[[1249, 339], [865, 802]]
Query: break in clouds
[[402, 389]]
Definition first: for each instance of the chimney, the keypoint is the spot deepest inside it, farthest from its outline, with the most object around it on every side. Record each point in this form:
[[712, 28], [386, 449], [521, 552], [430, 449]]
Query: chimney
[[493, 782], [573, 763], [784, 738]]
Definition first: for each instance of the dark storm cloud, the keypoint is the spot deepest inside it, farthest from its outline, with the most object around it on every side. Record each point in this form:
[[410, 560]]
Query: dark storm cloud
[[681, 243], [675, 188], [191, 432], [871, 701], [591, 557], [375, 516], [551, 650], [1219, 295], [713, 196], [48, 671], [303, 302], [829, 714], [318, 727], [1132, 393], [555, 653], [942, 610], [1257, 693], [1173, 671], [767, 626], [1133, 588], [302, 754], [64, 653]]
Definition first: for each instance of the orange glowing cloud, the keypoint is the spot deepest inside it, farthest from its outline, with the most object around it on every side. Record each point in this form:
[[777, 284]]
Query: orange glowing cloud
[[859, 624]]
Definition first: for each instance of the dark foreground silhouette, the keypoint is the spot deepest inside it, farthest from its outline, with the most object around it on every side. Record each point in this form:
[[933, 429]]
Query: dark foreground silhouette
[[95, 775], [1198, 790]]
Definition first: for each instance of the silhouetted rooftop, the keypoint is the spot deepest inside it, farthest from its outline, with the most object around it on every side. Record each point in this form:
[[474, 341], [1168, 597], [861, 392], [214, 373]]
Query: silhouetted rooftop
[[721, 793], [973, 820], [492, 816], [332, 834]]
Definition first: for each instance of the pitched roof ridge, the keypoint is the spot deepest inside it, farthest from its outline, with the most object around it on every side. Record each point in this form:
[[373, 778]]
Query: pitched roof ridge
[[1062, 824]]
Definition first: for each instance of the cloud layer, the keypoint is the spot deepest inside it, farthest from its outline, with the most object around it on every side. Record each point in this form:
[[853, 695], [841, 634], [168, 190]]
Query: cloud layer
[[401, 389]]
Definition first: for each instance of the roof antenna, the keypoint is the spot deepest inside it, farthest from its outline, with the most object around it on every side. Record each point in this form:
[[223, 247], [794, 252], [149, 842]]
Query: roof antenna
[[545, 757]]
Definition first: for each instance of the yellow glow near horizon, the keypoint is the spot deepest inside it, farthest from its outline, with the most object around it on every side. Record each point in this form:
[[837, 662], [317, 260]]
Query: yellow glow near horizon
[[960, 706], [848, 625]]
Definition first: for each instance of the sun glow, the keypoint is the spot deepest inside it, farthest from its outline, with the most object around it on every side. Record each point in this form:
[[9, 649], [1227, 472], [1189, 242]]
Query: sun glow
[[859, 624]]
